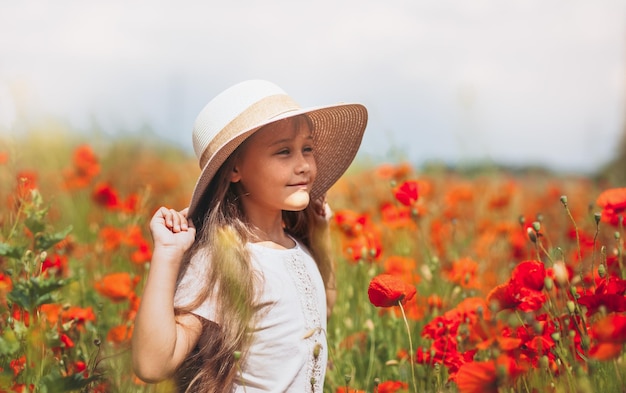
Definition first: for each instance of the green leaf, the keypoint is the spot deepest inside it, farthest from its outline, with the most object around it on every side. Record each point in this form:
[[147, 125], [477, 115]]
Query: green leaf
[[34, 292], [7, 250], [45, 241], [54, 382], [9, 343], [34, 222]]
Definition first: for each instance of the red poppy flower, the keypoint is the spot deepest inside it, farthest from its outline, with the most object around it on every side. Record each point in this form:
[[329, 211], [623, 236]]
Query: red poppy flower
[[86, 162], [105, 195], [67, 341], [394, 216], [120, 334], [111, 237], [392, 386], [6, 285], [79, 315], [116, 286], [57, 264], [403, 267], [389, 171], [523, 291], [406, 193], [483, 377], [609, 334], [610, 328], [613, 204], [609, 293], [350, 223], [85, 168], [386, 290], [343, 389], [26, 182], [463, 272]]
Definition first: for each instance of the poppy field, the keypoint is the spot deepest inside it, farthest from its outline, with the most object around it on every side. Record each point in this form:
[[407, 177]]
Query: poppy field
[[485, 280]]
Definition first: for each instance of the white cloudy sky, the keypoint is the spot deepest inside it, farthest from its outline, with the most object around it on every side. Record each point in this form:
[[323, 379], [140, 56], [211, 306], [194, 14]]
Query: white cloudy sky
[[512, 81]]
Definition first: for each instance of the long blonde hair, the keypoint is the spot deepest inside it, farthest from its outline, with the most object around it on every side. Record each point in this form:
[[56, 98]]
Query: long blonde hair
[[222, 233]]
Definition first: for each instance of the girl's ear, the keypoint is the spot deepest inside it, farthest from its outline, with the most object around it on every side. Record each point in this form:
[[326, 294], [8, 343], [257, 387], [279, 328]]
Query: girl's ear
[[234, 175]]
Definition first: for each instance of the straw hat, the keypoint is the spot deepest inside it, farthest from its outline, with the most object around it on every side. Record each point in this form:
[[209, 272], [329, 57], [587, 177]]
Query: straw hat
[[235, 114]]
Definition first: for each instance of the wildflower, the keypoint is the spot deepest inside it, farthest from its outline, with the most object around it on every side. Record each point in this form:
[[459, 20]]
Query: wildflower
[[609, 334], [116, 286], [609, 293], [79, 315], [111, 237], [105, 195], [523, 291], [393, 172], [4, 157], [386, 290], [613, 204], [487, 376], [17, 365], [406, 193], [50, 312], [85, 168], [56, 264], [392, 386], [403, 267], [6, 285], [396, 216], [26, 183], [143, 252], [120, 334], [463, 272], [67, 341], [367, 247], [344, 389], [351, 223]]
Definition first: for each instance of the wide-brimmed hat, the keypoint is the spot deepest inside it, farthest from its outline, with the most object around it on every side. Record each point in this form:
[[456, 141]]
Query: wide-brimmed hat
[[236, 113]]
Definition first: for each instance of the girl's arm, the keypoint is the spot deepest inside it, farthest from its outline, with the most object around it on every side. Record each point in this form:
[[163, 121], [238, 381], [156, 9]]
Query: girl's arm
[[161, 340]]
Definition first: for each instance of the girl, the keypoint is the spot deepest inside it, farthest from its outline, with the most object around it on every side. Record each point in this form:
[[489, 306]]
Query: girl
[[240, 282]]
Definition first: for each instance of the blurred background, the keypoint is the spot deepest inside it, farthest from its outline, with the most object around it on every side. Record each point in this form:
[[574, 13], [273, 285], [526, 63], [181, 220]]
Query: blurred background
[[513, 83]]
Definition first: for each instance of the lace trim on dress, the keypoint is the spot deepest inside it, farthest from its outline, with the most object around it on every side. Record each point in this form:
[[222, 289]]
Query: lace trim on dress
[[314, 333]]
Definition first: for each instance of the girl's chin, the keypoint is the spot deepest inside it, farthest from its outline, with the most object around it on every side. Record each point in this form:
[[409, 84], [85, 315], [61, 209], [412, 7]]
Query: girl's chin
[[297, 202]]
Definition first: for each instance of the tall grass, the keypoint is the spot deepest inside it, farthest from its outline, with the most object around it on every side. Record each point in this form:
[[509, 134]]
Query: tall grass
[[74, 251]]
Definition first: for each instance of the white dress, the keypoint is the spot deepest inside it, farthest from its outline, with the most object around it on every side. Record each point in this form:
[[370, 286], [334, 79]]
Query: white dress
[[291, 323]]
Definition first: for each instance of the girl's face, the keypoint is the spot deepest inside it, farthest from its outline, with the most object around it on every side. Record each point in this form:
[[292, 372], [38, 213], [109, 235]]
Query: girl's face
[[276, 167]]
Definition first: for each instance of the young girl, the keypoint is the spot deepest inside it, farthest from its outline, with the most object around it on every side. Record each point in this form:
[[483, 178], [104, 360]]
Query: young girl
[[240, 282]]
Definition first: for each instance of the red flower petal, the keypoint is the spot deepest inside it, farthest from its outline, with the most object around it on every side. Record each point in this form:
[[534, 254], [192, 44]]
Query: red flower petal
[[386, 290]]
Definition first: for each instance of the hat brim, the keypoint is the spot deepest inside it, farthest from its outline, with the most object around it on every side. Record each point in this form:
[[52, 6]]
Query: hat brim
[[337, 135]]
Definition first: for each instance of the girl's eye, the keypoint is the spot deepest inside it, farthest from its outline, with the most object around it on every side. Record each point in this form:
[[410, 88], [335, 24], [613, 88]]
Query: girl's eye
[[308, 149], [283, 152]]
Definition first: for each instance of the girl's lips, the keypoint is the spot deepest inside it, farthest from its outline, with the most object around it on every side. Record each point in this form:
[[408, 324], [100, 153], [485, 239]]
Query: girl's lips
[[300, 185]]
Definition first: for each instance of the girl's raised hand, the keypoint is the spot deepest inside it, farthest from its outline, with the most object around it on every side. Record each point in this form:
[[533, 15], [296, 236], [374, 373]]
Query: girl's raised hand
[[172, 229], [322, 210]]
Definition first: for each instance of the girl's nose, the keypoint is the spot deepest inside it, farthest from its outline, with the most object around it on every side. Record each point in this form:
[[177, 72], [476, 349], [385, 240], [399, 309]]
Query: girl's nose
[[303, 164]]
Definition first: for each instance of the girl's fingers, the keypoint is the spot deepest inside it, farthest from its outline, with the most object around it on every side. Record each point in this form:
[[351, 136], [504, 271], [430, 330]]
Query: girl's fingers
[[176, 221]]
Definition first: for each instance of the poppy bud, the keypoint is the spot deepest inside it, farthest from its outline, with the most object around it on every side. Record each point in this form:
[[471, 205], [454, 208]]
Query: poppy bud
[[602, 271], [536, 226], [564, 200], [571, 307]]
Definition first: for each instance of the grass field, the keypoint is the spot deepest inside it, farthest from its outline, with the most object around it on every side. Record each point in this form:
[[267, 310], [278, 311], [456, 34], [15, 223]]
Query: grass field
[[483, 280]]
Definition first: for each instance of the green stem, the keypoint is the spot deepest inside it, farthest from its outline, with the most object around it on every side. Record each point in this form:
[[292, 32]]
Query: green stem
[[411, 354]]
